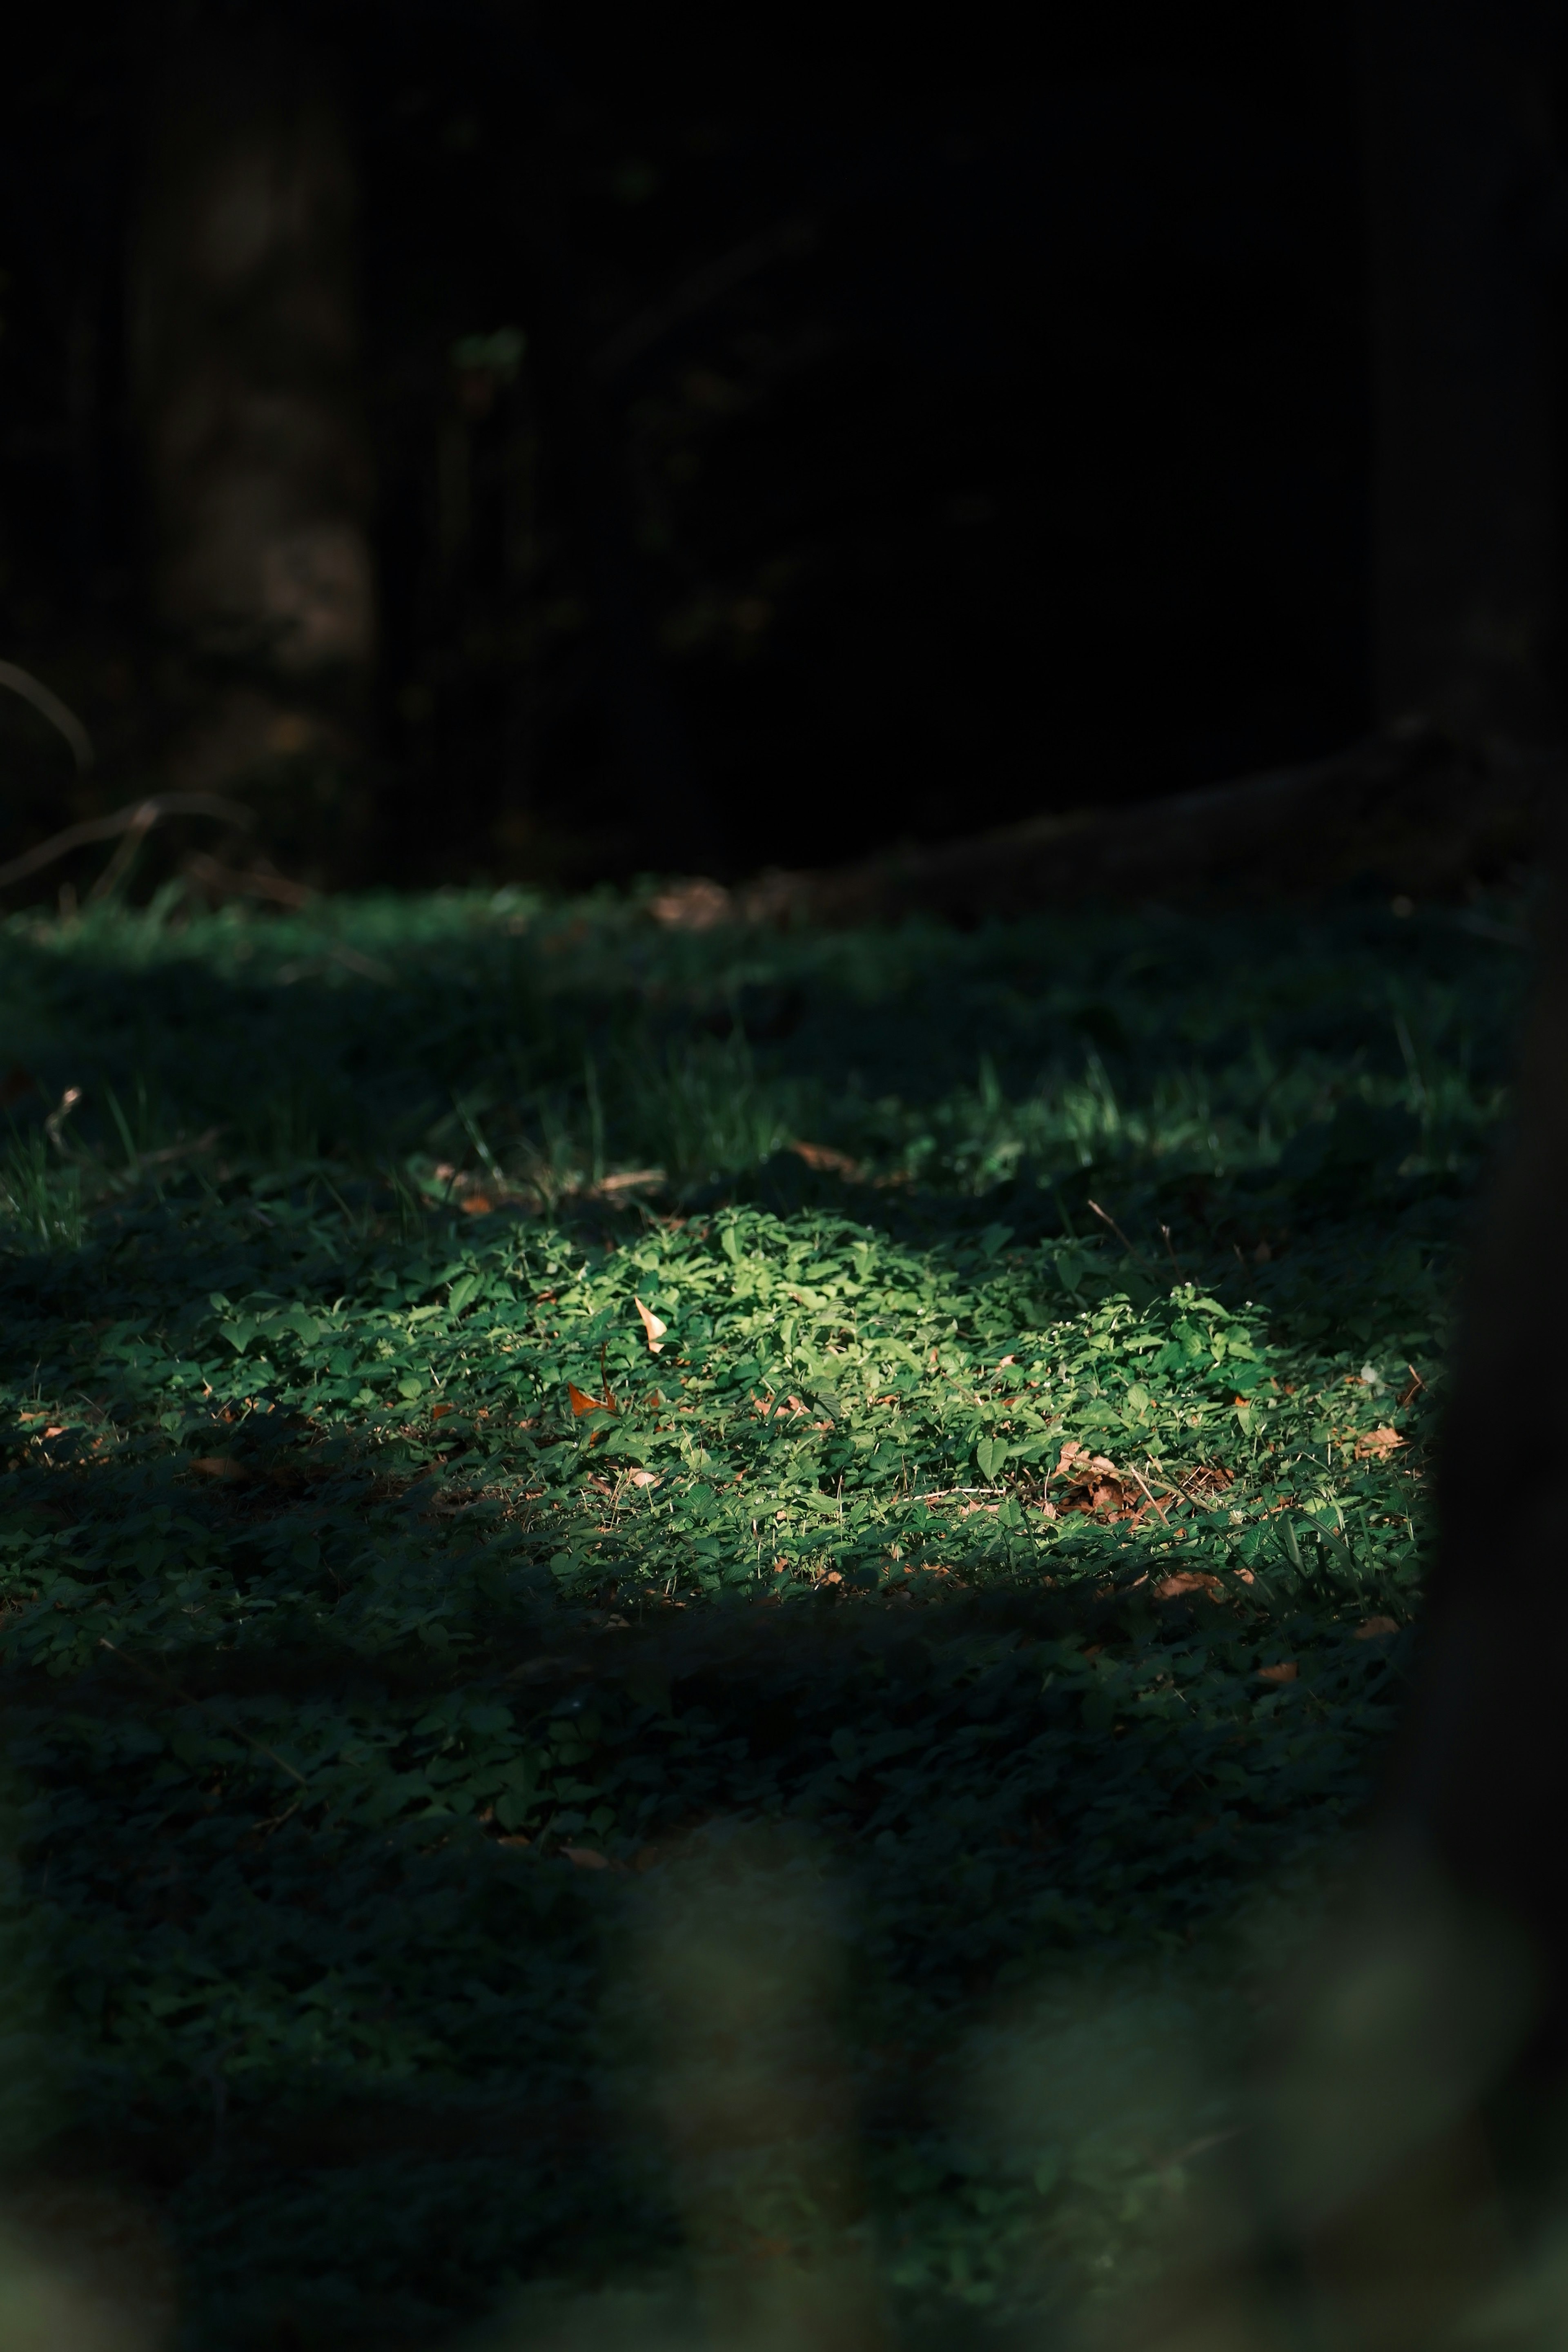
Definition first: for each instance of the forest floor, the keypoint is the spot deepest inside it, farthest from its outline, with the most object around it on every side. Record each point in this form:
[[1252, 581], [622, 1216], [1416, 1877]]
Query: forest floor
[[689, 1614]]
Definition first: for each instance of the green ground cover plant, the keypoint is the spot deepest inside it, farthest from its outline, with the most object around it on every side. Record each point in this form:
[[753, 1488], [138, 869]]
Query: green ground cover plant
[[554, 1458]]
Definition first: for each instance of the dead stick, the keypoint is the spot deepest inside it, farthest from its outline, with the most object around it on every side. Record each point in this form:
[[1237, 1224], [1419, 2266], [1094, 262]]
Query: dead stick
[[1148, 1491], [1107, 1219], [104, 828]]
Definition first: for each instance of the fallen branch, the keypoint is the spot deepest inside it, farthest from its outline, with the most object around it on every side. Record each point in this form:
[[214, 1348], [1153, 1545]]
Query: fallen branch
[[1417, 810], [136, 819]]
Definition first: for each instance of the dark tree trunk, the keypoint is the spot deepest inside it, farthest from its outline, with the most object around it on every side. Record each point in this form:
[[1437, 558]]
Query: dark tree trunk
[[1466, 219], [245, 357]]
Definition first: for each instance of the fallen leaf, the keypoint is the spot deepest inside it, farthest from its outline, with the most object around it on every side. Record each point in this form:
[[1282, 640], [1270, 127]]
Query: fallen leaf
[[1375, 1626], [586, 1857], [1376, 1444], [220, 1465], [1283, 1672], [823, 1157], [1187, 1579], [694, 906], [478, 1204], [439, 1411], [516, 1839], [581, 1404], [652, 1325], [644, 1479]]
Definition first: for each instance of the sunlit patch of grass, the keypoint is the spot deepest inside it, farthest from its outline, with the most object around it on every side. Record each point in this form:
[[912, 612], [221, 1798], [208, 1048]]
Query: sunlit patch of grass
[[1017, 1518]]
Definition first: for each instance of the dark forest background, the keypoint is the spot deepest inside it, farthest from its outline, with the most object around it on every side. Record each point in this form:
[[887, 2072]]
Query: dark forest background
[[792, 429]]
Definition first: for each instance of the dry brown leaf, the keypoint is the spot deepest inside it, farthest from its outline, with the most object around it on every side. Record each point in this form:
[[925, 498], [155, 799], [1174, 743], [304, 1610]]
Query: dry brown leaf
[[694, 906], [1187, 1579], [478, 1204], [1375, 1626], [220, 1465], [439, 1411], [823, 1157], [652, 1326], [582, 1403], [586, 1857], [1376, 1444], [1285, 1672], [644, 1479]]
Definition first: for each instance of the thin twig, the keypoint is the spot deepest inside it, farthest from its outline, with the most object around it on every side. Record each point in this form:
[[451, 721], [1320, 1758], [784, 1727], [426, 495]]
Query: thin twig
[[124, 857], [1171, 1253], [1174, 1486], [1107, 1219], [708, 285], [104, 828], [1148, 1490], [49, 706]]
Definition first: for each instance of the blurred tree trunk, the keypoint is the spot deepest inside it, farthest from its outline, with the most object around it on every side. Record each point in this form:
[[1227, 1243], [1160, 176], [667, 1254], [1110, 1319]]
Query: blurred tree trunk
[[245, 351], [1466, 221]]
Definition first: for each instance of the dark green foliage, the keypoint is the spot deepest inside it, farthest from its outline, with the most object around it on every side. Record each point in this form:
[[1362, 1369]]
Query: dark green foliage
[[383, 1617]]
